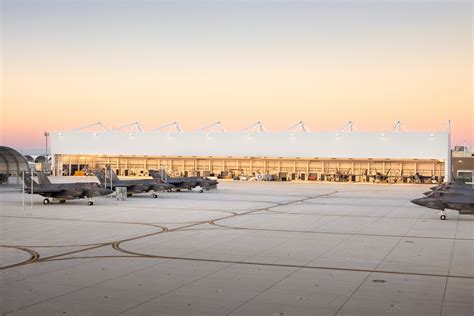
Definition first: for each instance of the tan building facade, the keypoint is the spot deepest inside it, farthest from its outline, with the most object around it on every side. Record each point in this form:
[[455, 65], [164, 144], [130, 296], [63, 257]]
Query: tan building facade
[[281, 168]]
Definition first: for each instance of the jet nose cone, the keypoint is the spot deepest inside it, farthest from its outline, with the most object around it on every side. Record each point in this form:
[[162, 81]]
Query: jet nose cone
[[429, 202], [419, 201]]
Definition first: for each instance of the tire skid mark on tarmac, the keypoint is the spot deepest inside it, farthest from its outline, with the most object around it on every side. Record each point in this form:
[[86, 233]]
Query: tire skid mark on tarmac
[[34, 257], [116, 244], [92, 247], [131, 254]]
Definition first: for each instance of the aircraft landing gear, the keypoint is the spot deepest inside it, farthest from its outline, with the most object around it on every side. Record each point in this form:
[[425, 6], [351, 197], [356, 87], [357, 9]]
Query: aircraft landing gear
[[46, 201], [201, 191], [62, 201], [155, 195], [90, 202], [178, 190], [443, 215]]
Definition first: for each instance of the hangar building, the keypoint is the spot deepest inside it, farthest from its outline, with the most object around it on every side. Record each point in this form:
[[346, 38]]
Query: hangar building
[[295, 154], [12, 164]]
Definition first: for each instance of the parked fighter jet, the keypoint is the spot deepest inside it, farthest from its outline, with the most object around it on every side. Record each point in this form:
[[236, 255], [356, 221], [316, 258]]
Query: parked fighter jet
[[455, 196], [419, 178], [64, 191], [380, 177], [188, 183], [133, 186], [340, 176]]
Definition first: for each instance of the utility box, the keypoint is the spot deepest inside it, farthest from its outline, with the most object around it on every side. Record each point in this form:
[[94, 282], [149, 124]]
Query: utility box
[[121, 193]]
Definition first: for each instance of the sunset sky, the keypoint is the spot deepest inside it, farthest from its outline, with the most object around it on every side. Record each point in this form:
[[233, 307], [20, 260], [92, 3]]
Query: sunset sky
[[69, 63]]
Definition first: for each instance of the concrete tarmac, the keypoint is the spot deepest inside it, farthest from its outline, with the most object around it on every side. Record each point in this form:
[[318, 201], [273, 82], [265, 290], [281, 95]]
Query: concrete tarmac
[[245, 249]]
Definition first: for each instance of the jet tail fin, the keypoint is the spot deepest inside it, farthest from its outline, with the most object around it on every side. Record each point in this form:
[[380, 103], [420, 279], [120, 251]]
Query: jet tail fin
[[159, 174], [42, 178], [100, 175], [154, 174], [164, 174], [28, 180], [110, 173]]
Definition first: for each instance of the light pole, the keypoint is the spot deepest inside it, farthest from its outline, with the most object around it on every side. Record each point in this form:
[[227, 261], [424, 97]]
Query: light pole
[[46, 134]]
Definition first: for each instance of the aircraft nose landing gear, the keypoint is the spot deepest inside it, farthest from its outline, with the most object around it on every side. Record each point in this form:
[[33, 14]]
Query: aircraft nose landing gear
[[443, 215], [90, 202]]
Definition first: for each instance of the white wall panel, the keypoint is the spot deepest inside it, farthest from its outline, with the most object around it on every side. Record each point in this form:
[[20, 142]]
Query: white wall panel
[[394, 145]]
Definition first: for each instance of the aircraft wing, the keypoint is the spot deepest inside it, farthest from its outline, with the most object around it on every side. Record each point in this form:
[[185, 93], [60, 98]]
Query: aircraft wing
[[46, 190], [59, 192], [138, 188]]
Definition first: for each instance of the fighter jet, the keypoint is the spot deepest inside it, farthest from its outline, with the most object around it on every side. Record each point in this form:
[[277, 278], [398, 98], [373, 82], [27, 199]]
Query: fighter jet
[[340, 176], [419, 178], [380, 177], [133, 186], [64, 191], [187, 183], [455, 196]]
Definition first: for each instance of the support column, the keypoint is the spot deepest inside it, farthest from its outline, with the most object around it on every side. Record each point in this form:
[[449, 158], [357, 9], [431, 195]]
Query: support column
[[447, 163]]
